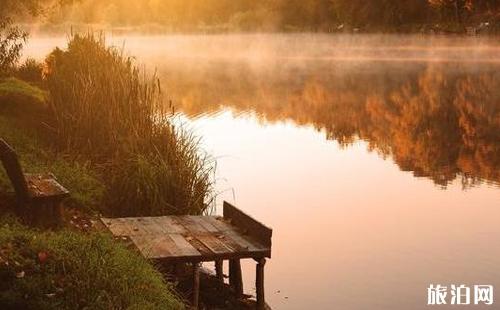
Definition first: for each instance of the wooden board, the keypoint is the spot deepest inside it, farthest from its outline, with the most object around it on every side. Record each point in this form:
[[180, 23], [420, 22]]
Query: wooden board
[[188, 238], [247, 224], [164, 246], [44, 186]]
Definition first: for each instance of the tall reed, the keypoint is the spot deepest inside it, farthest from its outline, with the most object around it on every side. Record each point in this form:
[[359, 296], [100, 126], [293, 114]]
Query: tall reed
[[109, 111]]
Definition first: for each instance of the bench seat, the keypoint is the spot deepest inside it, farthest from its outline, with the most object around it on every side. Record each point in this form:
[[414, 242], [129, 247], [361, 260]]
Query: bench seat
[[39, 196], [45, 187]]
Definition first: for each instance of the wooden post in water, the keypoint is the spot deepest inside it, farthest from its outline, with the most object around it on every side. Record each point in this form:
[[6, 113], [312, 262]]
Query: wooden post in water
[[196, 285], [259, 284], [235, 278], [219, 271]]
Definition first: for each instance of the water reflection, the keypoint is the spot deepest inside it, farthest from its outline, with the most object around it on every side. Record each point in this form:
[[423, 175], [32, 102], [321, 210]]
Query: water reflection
[[440, 121], [350, 230]]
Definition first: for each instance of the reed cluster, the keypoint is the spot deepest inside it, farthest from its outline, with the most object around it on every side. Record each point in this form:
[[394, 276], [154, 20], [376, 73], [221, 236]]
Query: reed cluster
[[108, 110]]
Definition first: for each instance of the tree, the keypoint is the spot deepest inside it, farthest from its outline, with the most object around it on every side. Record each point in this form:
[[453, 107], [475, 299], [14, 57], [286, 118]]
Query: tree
[[12, 38], [11, 42], [11, 8], [447, 8]]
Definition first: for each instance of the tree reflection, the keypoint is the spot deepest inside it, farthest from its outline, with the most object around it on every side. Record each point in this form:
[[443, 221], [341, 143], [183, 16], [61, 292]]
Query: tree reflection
[[440, 121]]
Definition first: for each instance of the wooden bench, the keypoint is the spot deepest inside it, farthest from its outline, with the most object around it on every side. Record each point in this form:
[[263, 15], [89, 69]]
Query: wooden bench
[[39, 197], [196, 239]]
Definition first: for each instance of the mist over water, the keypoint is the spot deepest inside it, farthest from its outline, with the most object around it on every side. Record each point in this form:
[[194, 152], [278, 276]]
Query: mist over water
[[376, 159], [264, 48]]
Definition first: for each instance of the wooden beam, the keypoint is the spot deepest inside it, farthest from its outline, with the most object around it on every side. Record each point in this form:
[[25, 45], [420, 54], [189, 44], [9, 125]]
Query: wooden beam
[[235, 277], [259, 284], [248, 224], [196, 285]]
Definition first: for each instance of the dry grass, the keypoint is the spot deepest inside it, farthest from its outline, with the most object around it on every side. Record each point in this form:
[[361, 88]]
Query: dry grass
[[107, 110]]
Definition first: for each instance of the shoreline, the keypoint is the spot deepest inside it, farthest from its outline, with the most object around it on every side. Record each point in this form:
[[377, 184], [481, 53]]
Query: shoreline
[[159, 30]]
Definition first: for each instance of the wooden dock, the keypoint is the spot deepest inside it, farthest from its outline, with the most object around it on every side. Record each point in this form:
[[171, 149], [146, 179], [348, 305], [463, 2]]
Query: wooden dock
[[196, 239]]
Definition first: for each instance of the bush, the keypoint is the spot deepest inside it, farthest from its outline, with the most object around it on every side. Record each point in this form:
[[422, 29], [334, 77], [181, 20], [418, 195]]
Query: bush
[[11, 43], [106, 110], [31, 71], [66, 270], [21, 98]]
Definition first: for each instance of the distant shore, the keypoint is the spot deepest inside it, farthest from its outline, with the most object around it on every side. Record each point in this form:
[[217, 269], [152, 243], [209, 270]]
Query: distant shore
[[477, 28]]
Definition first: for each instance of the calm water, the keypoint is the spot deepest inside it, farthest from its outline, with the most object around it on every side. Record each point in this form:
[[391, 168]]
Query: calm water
[[375, 159]]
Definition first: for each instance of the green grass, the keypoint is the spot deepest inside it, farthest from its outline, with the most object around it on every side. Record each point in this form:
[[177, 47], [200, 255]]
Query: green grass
[[13, 87], [67, 270], [19, 98], [86, 189]]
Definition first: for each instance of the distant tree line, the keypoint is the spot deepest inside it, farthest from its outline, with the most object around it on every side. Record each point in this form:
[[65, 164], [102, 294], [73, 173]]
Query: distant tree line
[[276, 14]]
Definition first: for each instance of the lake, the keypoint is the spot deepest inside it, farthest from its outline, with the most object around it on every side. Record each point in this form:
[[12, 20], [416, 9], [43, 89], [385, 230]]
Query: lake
[[375, 159]]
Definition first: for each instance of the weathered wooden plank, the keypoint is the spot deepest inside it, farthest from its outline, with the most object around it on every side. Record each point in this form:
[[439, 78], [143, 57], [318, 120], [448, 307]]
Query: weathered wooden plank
[[215, 245], [218, 222], [169, 226], [200, 220], [183, 247], [244, 243], [44, 186], [149, 225], [137, 226], [11, 164], [118, 227], [197, 244], [154, 247], [247, 224], [190, 225], [230, 243], [193, 238]]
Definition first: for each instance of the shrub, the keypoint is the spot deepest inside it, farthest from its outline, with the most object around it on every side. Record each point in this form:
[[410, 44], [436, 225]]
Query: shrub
[[31, 71], [21, 98], [11, 43]]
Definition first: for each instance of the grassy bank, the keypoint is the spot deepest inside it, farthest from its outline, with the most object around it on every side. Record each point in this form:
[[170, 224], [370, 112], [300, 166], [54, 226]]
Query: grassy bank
[[100, 125], [20, 103], [68, 270]]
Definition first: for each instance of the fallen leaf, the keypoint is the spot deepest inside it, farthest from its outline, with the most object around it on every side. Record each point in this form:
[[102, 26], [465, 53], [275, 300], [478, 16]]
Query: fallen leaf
[[42, 257], [20, 275]]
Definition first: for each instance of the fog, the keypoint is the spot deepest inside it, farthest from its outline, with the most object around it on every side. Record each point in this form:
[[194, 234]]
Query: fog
[[260, 49]]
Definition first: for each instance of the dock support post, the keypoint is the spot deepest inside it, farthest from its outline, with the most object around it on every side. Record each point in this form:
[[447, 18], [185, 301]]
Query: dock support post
[[259, 283], [196, 285], [235, 278], [219, 272]]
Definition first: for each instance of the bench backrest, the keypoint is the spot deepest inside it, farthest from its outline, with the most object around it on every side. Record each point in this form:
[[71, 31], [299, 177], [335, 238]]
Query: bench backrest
[[253, 227], [14, 171]]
